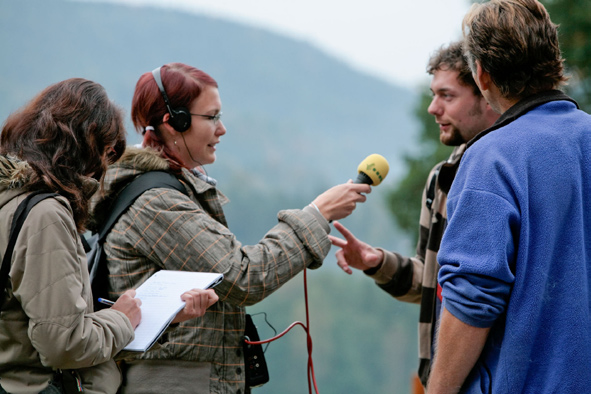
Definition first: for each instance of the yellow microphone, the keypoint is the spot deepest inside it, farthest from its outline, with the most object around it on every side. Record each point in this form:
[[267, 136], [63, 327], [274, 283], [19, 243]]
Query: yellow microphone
[[372, 170]]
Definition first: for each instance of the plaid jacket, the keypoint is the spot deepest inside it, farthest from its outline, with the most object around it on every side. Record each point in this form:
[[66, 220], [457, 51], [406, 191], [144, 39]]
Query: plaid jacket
[[165, 229], [414, 279]]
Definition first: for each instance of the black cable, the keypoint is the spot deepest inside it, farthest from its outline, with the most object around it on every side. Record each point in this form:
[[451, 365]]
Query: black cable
[[269, 324], [191, 156]]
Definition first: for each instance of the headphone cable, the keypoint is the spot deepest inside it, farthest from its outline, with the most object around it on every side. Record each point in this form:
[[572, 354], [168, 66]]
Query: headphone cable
[[190, 155]]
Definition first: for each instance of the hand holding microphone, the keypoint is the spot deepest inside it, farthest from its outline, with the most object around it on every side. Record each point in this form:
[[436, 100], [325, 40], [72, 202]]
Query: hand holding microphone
[[339, 201]]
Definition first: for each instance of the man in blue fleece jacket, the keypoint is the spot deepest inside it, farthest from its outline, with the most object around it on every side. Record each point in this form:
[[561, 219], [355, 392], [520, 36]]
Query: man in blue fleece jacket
[[516, 256]]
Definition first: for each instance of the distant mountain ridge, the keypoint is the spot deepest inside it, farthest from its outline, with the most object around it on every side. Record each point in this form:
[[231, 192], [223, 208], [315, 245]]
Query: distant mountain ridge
[[276, 92], [298, 120]]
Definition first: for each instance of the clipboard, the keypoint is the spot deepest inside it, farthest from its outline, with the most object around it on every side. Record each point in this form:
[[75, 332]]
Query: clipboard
[[161, 301]]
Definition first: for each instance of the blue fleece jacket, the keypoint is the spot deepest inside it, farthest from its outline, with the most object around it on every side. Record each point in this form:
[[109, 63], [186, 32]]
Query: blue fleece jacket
[[516, 255]]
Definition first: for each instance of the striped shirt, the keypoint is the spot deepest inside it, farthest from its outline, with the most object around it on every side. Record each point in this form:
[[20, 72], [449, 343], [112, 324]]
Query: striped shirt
[[414, 279]]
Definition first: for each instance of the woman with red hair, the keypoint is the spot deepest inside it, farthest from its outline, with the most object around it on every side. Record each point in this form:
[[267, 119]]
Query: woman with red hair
[[178, 109]]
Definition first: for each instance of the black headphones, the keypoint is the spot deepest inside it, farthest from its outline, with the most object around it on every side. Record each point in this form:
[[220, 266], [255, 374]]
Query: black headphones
[[180, 117]]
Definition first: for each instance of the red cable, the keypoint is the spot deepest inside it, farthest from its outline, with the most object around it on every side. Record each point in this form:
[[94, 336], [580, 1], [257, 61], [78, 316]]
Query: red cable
[[311, 376]]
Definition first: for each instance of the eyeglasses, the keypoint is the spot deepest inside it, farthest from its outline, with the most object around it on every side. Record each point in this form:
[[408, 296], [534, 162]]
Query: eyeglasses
[[215, 118]]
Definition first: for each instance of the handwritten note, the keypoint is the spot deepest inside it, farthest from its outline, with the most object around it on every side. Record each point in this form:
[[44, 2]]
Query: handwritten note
[[161, 301]]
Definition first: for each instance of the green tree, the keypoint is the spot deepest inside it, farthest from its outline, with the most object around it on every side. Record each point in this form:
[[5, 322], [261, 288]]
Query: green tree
[[404, 200], [574, 20]]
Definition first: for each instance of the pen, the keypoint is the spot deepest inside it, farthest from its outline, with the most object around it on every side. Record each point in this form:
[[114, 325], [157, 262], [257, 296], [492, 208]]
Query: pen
[[105, 301]]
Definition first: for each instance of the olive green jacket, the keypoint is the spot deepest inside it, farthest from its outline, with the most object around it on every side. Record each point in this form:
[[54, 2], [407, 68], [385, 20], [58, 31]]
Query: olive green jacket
[[47, 320]]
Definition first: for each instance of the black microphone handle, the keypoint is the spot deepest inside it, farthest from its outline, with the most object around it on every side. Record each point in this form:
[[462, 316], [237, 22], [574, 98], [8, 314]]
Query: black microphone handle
[[363, 178]]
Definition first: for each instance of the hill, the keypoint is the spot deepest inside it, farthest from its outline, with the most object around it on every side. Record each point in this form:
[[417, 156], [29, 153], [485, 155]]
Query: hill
[[298, 120]]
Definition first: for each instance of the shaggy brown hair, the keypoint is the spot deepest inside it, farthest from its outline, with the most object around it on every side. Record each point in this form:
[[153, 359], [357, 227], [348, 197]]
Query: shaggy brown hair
[[517, 44]]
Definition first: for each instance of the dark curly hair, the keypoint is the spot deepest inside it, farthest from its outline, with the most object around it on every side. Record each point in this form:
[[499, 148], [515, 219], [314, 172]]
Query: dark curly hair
[[68, 131], [451, 58]]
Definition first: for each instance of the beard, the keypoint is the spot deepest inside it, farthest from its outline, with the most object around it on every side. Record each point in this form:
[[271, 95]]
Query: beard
[[455, 137]]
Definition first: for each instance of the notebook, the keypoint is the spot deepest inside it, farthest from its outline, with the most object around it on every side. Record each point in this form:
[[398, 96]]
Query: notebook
[[161, 301]]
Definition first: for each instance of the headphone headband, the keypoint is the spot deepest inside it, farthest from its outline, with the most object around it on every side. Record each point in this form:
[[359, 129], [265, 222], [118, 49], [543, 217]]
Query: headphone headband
[[180, 118]]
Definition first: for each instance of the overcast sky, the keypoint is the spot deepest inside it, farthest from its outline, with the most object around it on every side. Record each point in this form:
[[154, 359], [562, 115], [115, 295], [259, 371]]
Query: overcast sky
[[391, 39]]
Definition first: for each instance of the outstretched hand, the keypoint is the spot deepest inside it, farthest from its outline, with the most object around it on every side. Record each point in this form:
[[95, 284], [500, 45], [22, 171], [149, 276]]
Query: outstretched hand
[[354, 253], [196, 303]]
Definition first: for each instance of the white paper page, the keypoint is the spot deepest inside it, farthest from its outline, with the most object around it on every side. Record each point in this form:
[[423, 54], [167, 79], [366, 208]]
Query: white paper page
[[161, 301]]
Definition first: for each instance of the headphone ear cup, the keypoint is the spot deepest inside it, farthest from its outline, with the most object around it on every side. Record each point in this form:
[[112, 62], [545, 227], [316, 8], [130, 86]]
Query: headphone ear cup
[[180, 119]]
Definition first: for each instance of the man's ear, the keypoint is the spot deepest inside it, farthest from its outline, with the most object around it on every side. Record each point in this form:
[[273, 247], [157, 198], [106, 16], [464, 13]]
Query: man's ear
[[482, 77]]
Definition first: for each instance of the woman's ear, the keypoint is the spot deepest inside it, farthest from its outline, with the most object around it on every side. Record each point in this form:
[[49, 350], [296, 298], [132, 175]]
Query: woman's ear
[[166, 127]]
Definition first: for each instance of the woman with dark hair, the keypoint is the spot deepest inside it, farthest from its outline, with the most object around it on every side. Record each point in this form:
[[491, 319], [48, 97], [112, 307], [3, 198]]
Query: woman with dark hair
[[178, 108], [63, 138], [67, 134]]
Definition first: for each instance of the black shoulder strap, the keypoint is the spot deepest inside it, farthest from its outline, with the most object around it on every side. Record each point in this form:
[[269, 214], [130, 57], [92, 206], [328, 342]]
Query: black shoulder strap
[[17, 222], [145, 181], [431, 189]]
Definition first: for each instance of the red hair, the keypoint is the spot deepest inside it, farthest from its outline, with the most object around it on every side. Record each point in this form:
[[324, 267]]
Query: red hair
[[183, 84]]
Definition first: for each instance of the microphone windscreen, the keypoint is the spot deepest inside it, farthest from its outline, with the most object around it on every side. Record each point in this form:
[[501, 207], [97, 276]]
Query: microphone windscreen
[[372, 170]]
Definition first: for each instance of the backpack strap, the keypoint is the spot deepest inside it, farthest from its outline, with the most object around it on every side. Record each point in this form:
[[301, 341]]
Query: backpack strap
[[432, 184], [93, 245], [137, 187], [17, 223]]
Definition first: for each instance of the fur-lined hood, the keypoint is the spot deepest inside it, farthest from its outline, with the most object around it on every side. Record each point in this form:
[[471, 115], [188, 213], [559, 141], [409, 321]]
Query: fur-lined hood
[[139, 160], [134, 162], [14, 176], [144, 159], [14, 173]]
